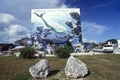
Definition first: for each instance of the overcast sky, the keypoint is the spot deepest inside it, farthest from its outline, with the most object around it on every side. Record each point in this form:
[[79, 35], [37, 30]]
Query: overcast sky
[[100, 18]]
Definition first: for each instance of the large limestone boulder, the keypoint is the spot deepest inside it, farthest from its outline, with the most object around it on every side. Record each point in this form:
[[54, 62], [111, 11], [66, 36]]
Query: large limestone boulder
[[40, 69], [75, 68]]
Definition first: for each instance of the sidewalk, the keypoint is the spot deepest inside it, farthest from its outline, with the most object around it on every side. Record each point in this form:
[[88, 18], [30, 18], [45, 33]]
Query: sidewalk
[[88, 53]]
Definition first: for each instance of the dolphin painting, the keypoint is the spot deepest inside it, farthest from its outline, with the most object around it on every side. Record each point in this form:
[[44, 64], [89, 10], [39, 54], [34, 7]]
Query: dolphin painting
[[56, 28]]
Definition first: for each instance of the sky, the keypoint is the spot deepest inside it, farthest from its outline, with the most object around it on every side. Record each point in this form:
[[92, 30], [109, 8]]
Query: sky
[[100, 19]]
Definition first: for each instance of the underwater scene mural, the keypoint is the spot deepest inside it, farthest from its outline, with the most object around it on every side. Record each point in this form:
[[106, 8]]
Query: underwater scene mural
[[56, 26]]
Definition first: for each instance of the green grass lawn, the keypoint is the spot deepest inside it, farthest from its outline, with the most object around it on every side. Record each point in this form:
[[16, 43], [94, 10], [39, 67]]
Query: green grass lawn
[[102, 67]]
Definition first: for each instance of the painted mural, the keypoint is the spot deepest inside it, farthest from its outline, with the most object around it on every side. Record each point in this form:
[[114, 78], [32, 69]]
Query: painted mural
[[55, 26]]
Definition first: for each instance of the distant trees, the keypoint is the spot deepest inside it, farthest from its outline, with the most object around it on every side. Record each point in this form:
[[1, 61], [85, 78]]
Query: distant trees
[[8, 46], [112, 41], [5, 47]]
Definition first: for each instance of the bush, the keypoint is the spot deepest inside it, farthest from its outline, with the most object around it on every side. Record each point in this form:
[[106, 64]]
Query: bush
[[27, 52], [63, 52]]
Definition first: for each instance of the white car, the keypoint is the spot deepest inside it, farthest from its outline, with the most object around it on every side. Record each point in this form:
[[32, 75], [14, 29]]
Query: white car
[[108, 48]]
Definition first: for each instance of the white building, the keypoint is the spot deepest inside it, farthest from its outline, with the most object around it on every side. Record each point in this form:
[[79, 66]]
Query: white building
[[118, 43]]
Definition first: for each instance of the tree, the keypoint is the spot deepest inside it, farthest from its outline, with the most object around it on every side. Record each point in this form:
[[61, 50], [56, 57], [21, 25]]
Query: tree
[[5, 46], [27, 52], [112, 41], [63, 52]]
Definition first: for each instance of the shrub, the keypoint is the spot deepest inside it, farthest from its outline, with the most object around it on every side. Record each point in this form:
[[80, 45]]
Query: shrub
[[27, 52], [63, 52]]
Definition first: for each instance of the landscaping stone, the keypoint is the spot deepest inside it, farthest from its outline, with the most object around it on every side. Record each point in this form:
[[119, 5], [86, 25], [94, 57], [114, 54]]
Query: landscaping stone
[[75, 68], [40, 69]]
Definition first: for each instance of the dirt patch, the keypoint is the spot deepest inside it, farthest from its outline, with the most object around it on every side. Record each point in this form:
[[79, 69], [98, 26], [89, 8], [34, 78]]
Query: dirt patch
[[105, 60]]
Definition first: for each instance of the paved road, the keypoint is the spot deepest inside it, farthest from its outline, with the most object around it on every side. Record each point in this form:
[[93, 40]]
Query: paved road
[[98, 50]]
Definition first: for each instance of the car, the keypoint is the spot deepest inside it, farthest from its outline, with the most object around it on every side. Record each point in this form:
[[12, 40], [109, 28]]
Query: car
[[108, 48]]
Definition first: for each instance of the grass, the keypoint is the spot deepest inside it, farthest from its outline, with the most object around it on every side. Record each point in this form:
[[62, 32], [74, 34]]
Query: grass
[[102, 67]]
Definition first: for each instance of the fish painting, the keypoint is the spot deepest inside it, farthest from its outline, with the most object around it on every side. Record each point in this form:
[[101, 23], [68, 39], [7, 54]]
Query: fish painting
[[56, 28]]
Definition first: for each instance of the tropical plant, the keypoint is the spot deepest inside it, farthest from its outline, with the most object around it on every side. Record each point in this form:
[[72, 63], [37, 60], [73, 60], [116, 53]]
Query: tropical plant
[[63, 52], [27, 52]]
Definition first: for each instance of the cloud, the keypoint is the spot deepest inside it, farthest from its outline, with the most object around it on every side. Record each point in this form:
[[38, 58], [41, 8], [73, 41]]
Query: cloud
[[7, 18], [107, 3], [13, 32], [20, 10], [102, 5], [90, 41], [92, 32], [91, 28]]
